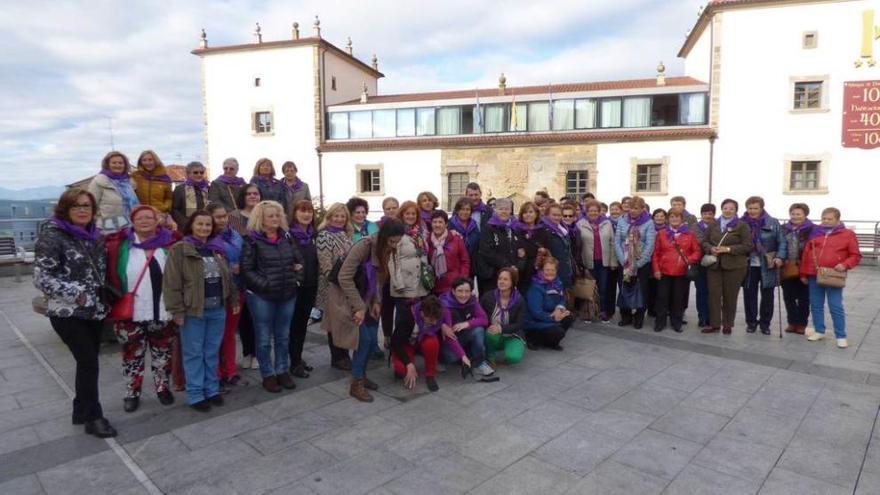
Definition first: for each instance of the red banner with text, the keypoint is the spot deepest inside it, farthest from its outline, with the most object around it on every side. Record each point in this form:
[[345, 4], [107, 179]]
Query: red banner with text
[[861, 114]]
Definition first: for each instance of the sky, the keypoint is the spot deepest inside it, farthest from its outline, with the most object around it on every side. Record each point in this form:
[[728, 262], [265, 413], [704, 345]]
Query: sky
[[80, 78]]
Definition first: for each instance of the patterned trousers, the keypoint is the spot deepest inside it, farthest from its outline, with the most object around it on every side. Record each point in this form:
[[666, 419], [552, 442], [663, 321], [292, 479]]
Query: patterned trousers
[[135, 337]]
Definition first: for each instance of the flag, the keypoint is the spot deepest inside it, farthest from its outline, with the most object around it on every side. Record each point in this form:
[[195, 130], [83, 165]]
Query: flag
[[478, 116], [514, 121], [550, 113]]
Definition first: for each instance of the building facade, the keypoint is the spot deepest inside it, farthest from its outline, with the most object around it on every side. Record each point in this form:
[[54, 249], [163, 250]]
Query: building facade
[[760, 110]]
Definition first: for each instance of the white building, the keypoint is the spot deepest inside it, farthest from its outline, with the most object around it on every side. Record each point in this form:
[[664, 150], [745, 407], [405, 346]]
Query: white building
[[760, 110]]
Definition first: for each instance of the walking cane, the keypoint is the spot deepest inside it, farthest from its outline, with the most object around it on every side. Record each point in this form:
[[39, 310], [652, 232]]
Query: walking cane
[[779, 307]]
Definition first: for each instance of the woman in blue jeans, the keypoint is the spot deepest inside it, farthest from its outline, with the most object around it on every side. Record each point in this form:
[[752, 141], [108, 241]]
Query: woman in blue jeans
[[465, 321], [197, 287], [271, 267]]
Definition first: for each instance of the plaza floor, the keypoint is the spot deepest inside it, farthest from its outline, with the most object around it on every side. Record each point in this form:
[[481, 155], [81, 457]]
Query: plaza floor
[[618, 411]]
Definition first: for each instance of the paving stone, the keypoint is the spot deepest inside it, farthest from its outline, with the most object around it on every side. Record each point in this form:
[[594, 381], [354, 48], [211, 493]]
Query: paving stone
[[793, 404], [684, 376], [298, 402], [784, 482], [21, 438], [470, 391], [548, 420], [579, 450], [614, 478], [847, 403], [155, 452], [209, 462], [42, 395], [346, 442], [499, 446], [760, 426], [8, 403], [219, 428], [739, 378], [430, 441], [740, 458], [698, 480], [652, 400], [836, 430], [418, 412], [604, 388], [717, 399], [491, 410], [869, 484], [691, 424], [831, 465], [443, 475], [621, 425], [100, 472], [529, 475], [657, 454], [25, 485], [357, 475], [284, 434]]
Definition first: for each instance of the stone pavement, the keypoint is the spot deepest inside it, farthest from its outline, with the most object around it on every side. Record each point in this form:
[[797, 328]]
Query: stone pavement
[[618, 411]]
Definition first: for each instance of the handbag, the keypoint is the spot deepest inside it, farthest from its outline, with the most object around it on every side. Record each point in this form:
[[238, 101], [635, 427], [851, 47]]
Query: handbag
[[360, 275], [790, 270], [585, 288], [825, 276], [40, 304], [692, 272], [710, 259], [427, 276], [123, 308], [107, 293]]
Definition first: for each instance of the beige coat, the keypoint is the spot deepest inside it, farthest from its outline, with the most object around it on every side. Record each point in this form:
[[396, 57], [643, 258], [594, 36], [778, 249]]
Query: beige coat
[[606, 236], [111, 215], [404, 270], [344, 300]]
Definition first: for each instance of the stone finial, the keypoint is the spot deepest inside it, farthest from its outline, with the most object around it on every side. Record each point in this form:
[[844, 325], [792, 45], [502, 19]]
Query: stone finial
[[257, 34], [203, 41], [375, 62], [348, 47], [661, 74], [502, 84], [364, 92], [317, 27], [295, 31]]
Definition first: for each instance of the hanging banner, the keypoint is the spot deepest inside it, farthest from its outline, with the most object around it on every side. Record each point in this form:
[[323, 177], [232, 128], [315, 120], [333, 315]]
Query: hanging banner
[[861, 114]]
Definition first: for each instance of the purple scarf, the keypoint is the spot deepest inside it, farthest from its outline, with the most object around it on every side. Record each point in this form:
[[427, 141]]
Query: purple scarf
[[303, 236], [551, 284], [155, 178], [796, 229], [598, 221], [89, 233], [160, 239], [425, 216], [511, 302], [755, 226], [333, 229], [821, 230], [200, 186], [214, 243], [464, 230], [639, 220], [555, 227], [733, 222], [227, 234], [114, 175], [480, 207], [658, 227], [255, 234], [449, 301], [231, 181], [682, 229], [525, 228], [496, 221], [297, 185], [703, 226]]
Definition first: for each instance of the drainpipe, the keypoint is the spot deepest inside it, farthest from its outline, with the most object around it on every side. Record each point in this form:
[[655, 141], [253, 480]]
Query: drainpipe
[[320, 179], [711, 164]]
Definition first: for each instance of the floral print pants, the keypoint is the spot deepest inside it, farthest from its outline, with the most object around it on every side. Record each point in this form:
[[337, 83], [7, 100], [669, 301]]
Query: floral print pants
[[135, 337]]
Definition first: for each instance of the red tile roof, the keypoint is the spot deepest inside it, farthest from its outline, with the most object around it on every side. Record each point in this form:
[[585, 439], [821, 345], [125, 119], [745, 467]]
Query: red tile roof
[[531, 90], [176, 172], [309, 40], [514, 139]]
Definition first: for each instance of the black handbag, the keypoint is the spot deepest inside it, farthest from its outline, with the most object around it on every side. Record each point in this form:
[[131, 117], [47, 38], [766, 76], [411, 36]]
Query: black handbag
[[360, 276], [693, 270]]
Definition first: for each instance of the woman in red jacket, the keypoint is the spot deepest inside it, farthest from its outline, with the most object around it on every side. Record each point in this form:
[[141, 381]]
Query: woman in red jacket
[[676, 247], [447, 252], [830, 245]]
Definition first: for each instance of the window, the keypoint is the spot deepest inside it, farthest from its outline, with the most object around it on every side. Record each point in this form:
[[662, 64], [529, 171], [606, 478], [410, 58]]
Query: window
[[333, 83], [425, 122], [360, 125], [257, 82], [519, 121], [664, 110], [692, 109], [448, 121], [370, 180], [339, 125], [467, 120], [406, 122], [807, 95], [456, 184], [262, 122], [494, 120], [637, 112], [804, 175], [577, 183], [384, 123], [609, 113], [585, 114], [563, 115], [648, 177], [810, 40], [539, 116]]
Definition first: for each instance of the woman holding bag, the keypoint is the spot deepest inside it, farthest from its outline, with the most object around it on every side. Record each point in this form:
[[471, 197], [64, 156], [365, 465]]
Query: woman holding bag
[[831, 251], [136, 262], [727, 246], [675, 251], [795, 293]]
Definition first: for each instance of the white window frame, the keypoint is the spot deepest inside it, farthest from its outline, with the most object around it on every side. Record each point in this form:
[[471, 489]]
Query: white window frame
[[823, 99], [360, 168], [662, 162], [257, 132], [824, 160]]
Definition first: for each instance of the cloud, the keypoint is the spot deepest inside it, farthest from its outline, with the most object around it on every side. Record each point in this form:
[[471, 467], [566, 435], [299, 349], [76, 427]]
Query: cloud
[[71, 70]]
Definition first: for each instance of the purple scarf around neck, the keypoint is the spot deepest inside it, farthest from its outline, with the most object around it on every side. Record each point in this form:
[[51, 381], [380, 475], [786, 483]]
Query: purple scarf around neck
[[114, 175], [659, 226], [89, 233], [256, 234], [228, 234], [333, 229], [464, 230], [146, 174], [638, 221], [525, 228], [297, 185], [160, 239], [303, 236], [598, 221], [480, 207], [214, 243], [822, 230], [556, 284], [511, 302], [555, 227], [425, 216], [231, 181], [730, 225], [755, 226], [796, 229], [703, 226], [200, 186], [496, 221], [682, 229]]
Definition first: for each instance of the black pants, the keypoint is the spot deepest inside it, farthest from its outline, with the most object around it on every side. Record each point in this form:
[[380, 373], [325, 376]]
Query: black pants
[[83, 338], [796, 295], [387, 315], [486, 285], [644, 276], [403, 317], [610, 295], [753, 285], [651, 296], [546, 337], [246, 332], [305, 300], [672, 293]]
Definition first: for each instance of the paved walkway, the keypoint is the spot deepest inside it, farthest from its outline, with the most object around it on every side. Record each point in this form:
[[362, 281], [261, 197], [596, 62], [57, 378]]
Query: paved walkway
[[619, 411]]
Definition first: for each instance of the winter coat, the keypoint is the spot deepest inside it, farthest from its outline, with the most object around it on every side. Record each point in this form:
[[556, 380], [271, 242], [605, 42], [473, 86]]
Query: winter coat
[[233, 249], [183, 284], [738, 239], [647, 233], [63, 272], [267, 268], [796, 243], [117, 246], [497, 250], [458, 262], [666, 259], [272, 191], [514, 326], [180, 211], [311, 267], [155, 193], [330, 247], [839, 247], [470, 312], [529, 241], [560, 247], [606, 237], [404, 270], [111, 215], [344, 300], [541, 301], [472, 242], [772, 241], [291, 197], [226, 195]]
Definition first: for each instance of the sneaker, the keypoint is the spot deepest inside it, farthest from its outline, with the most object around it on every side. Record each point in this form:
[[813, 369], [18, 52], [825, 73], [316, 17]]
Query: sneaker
[[316, 315], [841, 343], [484, 369], [815, 336], [255, 363]]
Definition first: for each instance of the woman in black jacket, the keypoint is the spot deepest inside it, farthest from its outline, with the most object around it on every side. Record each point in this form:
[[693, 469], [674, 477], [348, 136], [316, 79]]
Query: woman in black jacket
[[271, 265], [498, 243], [532, 237], [504, 308], [302, 228]]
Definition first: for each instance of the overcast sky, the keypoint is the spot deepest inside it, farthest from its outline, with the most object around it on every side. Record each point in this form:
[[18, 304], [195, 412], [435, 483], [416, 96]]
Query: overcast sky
[[70, 69]]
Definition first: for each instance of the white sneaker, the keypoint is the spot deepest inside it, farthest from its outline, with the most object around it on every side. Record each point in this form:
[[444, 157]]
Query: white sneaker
[[254, 364], [484, 369], [841, 343], [815, 336]]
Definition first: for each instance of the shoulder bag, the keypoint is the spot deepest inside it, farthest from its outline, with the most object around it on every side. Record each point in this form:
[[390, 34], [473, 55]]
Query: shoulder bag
[[825, 276], [710, 259], [692, 272], [123, 308]]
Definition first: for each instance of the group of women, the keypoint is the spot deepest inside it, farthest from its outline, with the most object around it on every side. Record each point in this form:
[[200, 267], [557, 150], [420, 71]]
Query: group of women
[[185, 272]]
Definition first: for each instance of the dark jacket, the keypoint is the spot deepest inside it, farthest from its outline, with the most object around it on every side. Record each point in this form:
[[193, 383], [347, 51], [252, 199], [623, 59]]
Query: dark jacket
[[471, 241], [179, 210], [560, 247], [267, 268], [738, 239], [514, 326], [773, 240], [219, 192], [183, 282], [272, 190], [530, 242], [64, 271], [541, 300], [310, 264], [497, 250]]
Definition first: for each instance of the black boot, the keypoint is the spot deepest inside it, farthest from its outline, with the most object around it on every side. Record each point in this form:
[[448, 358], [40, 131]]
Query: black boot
[[626, 318], [639, 319], [677, 324], [100, 428], [660, 324]]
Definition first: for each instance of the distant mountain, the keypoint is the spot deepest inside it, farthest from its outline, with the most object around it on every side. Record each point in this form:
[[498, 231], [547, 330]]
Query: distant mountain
[[44, 192]]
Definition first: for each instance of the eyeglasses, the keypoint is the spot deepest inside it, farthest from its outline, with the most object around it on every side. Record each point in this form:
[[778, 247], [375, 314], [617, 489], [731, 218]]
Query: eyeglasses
[[81, 206], [198, 172], [567, 216]]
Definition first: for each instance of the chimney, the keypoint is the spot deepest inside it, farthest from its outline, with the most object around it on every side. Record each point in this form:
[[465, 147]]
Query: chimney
[[502, 84], [257, 34], [295, 32], [375, 63], [364, 92], [203, 42], [348, 47], [661, 74], [317, 27]]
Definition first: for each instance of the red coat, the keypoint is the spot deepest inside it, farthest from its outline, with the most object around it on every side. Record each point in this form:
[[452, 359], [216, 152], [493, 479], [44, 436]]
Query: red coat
[[458, 263], [666, 259], [840, 247]]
